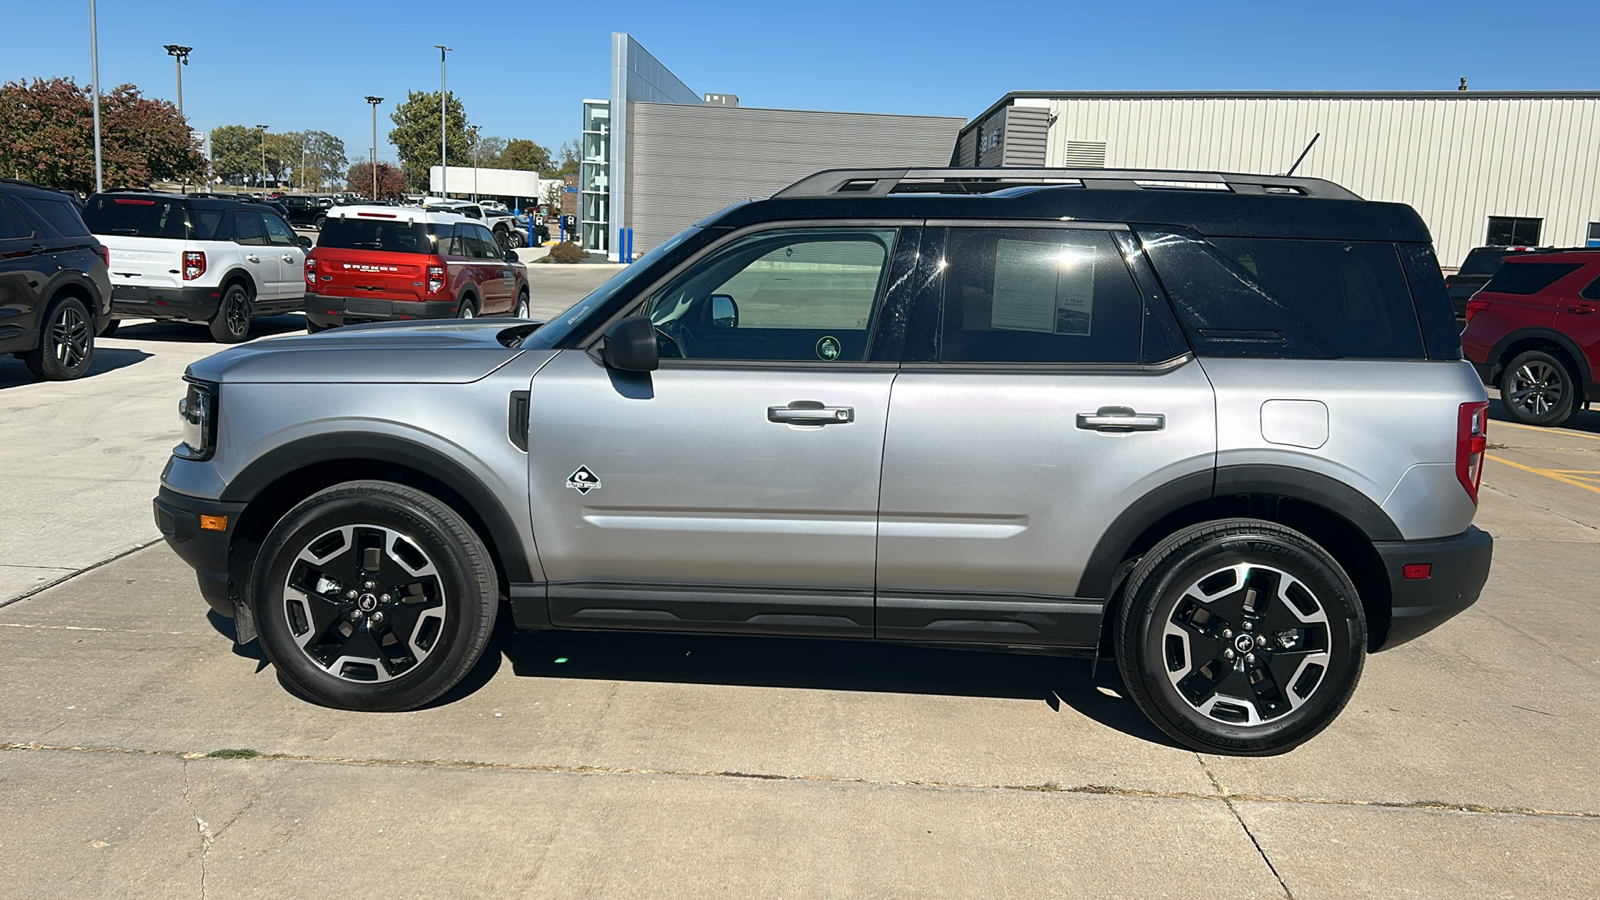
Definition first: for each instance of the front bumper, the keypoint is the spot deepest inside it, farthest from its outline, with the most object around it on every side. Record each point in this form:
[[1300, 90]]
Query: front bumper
[[1459, 567], [206, 551], [324, 310], [188, 304]]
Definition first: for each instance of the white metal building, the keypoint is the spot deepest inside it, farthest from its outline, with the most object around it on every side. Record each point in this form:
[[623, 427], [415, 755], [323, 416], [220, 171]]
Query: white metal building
[[1481, 167]]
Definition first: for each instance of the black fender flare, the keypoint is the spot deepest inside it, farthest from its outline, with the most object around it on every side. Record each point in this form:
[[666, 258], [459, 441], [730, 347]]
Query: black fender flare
[[1342, 500], [1497, 356], [99, 304], [503, 534], [242, 274]]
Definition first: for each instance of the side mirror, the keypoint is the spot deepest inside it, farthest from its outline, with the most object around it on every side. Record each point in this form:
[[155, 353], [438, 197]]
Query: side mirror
[[303, 241], [630, 345], [511, 256], [724, 312]]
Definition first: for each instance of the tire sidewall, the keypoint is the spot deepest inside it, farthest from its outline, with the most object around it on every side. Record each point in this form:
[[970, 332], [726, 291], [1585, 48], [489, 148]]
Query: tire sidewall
[[522, 309], [1154, 596], [221, 327], [466, 594], [49, 365]]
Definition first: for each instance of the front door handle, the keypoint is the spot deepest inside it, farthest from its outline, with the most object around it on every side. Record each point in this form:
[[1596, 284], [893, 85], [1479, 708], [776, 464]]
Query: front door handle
[[1582, 309], [810, 412], [288, 259], [1118, 419]]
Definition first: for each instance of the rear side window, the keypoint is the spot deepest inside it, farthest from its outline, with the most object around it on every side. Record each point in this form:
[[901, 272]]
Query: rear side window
[[1483, 262], [11, 224], [1038, 295], [138, 217], [60, 215], [1528, 277], [384, 235], [1288, 299]]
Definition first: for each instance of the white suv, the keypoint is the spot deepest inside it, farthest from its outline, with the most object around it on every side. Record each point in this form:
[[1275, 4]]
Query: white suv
[[191, 259], [499, 221]]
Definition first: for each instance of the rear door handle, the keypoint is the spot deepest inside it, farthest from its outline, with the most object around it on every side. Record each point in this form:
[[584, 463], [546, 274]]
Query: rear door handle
[[1117, 419], [810, 412], [254, 259]]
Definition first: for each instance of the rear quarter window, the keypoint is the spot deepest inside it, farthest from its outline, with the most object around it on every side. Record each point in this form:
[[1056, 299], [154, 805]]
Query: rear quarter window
[[1288, 299], [60, 215], [1524, 278]]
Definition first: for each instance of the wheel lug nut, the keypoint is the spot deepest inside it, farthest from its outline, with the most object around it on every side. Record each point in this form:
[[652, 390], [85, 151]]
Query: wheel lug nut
[[1228, 654], [377, 618], [369, 585], [1250, 658], [384, 598], [350, 595], [355, 613], [1249, 626], [1227, 632]]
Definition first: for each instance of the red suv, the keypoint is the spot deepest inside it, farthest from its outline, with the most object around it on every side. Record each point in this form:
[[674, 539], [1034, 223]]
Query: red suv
[[376, 263], [1534, 332]]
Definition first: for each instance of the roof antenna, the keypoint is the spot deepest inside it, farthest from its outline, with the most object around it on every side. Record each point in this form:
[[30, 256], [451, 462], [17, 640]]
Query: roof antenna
[[1463, 83], [1302, 155]]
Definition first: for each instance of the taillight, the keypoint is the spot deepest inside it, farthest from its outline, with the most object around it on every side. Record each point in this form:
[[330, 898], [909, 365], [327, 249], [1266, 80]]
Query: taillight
[[1474, 307], [311, 271], [1472, 439], [435, 279], [194, 264], [104, 253]]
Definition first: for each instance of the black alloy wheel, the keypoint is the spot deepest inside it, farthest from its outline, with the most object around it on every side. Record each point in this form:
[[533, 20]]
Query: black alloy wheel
[[1537, 388], [66, 346], [1241, 637], [373, 596], [231, 324]]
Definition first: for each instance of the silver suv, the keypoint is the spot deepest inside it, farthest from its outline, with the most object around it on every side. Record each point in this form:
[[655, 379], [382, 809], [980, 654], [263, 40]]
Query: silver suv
[[1217, 427]]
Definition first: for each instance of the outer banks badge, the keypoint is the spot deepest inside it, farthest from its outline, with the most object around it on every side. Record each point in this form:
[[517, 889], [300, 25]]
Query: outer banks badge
[[583, 481]]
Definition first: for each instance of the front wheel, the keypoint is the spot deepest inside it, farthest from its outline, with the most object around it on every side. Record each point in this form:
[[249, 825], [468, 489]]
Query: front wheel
[[373, 596], [1241, 637], [1537, 388], [231, 324], [66, 343]]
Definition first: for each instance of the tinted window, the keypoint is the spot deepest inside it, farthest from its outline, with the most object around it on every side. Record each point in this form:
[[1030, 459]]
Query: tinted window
[[1528, 277], [483, 243], [242, 227], [61, 215], [1592, 292], [11, 224], [278, 233], [1257, 297], [798, 295], [139, 217], [1484, 261], [388, 235], [1037, 295]]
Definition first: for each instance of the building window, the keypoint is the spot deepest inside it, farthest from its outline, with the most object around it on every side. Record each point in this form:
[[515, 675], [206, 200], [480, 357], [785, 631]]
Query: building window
[[1594, 234], [1511, 231]]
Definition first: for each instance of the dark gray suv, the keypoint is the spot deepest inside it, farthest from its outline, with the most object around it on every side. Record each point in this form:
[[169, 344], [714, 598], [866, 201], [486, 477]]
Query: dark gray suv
[[1217, 427]]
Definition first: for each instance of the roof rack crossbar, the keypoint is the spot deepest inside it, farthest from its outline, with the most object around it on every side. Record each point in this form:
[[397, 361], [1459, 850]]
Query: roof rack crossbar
[[882, 182]]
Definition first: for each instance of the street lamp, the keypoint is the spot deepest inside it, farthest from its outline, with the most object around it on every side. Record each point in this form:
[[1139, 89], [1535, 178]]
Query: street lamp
[[263, 158], [94, 76], [475, 142], [180, 58], [374, 101], [444, 161]]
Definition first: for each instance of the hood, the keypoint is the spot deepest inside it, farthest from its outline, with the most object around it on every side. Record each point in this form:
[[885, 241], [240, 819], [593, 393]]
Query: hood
[[449, 352]]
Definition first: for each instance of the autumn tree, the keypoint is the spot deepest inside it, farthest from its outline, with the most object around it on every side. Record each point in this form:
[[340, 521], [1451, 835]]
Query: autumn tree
[[47, 136], [391, 181], [416, 135]]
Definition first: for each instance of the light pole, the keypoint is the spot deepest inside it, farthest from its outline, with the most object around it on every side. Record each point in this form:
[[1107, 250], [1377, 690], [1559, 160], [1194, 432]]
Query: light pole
[[444, 161], [374, 101], [263, 158], [475, 164], [94, 76], [180, 58]]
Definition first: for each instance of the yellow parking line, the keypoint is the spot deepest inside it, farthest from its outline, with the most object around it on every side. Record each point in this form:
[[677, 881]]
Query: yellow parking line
[[1548, 473], [1497, 423]]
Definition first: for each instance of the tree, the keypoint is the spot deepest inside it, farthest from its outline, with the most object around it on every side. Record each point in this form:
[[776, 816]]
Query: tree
[[282, 155], [391, 182], [526, 156], [317, 159], [571, 154], [416, 135], [47, 136], [489, 151], [236, 152]]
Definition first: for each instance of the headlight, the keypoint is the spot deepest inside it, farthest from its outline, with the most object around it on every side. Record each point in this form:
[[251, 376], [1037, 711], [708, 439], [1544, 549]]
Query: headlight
[[198, 411]]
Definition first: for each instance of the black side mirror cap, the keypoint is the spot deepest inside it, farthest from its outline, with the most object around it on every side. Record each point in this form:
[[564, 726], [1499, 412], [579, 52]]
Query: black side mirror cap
[[630, 345], [511, 256], [303, 241]]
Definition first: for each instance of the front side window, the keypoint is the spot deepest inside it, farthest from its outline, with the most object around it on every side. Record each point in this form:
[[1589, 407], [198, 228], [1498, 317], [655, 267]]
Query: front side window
[[802, 295], [488, 247], [278, 234], [1038, 295]]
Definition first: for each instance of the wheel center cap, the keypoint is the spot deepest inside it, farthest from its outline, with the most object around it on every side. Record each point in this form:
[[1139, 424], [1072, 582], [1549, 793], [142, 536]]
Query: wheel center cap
[[367, 602], [1244, 643]]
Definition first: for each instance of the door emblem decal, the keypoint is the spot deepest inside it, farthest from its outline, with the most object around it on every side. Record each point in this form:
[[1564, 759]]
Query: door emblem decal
[[583, 481], [828, 348]]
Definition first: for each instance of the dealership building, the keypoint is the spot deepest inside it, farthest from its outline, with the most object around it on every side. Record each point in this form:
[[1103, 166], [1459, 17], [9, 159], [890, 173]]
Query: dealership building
[[1481, 167]]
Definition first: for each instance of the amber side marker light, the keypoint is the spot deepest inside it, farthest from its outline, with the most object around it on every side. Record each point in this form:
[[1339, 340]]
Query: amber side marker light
[[213, 523]]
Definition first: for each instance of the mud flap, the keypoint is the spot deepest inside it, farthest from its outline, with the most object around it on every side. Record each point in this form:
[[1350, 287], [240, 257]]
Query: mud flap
[[244, 622]]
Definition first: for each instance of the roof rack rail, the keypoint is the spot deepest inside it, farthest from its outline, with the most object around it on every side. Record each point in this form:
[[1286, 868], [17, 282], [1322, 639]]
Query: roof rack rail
[[882, 182]]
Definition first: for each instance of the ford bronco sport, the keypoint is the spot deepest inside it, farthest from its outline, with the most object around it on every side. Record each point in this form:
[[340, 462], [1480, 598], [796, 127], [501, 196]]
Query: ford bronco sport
[[1217, 427]]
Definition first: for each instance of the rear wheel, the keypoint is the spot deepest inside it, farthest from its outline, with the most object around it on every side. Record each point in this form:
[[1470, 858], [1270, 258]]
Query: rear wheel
[[467, 308], [232, 321], [524, 309], [1240, 636], [66, 342], [1537, 388], [374, 596], [515, 239]]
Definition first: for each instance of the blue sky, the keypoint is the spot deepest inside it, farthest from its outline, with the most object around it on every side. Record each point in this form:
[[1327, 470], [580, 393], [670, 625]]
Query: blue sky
[[522, 70]]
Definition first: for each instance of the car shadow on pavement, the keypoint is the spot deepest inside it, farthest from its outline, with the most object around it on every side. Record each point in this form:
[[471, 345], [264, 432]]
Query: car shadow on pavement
[[106, 359], [818, 664], [1587, 421], [186, 333]]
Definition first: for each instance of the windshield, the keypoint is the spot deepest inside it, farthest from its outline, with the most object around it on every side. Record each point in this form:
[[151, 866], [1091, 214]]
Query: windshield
[[567, 322]]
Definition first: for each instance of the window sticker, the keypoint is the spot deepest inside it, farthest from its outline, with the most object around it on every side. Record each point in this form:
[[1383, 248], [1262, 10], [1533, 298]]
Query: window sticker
[[1046, 288]]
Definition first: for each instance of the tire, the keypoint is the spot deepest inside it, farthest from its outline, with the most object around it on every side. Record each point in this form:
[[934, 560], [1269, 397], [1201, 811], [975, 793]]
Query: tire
[[231, 324], [380, 650], [1207, 660], [66, 342], [502, 239], [514, 239], [318, 221], [467, 309], [1537, 388], [110, 329], [523, 309]]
